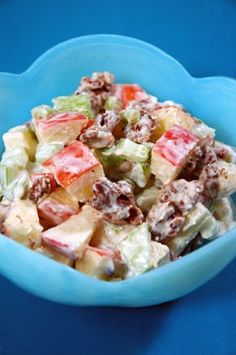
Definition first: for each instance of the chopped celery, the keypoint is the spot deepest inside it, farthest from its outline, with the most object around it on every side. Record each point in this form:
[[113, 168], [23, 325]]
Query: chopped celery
[[130, 115], [139, 173], [16, 157], [147, 198], [74, 103], [136, 249], [8, 174], [124, 150], [160, 254], [108, 158], [112, 103], [13, 181], [42, 111], [47, 150], [131, 151]]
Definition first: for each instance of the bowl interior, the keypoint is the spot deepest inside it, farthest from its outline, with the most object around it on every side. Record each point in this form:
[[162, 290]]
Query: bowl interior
[[58, 72]]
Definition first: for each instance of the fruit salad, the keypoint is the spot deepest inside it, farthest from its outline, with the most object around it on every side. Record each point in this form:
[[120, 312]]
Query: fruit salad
[[113, 183]]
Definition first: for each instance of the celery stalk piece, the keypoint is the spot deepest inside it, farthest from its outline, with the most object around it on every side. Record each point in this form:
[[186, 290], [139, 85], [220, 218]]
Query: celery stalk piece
[[139, 173], [108, 158], [136, 249], [17, 188], [137, 153], [124, 150], [130, 115], [13, 182], [74, 103], [112, 103], [47, 150]]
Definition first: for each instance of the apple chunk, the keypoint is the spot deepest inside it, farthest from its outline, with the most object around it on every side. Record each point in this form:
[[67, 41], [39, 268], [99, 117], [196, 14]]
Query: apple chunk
[[129, 92], [101, 264], [72, 237], [60, 127], [167, 117], [57, 208], [171, 153], [76, 169]]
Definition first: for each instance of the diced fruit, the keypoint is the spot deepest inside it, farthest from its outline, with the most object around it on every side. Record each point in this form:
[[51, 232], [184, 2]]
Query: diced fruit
[[22, 223], [102, 264], [171, 152], [137, 250], [72, 237], [167, 117], [15, 157], [42, 111], [47, 150], [116, 233], [170, 115], [226, 178], [60, 127], [76, 169], [100, 238], [225, 214], [160, 254], [129, 92], [53, 254], [57, 208], [147, 198], [21, 137]]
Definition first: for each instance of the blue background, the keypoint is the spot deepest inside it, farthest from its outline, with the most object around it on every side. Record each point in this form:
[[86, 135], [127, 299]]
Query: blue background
[[201, 35]]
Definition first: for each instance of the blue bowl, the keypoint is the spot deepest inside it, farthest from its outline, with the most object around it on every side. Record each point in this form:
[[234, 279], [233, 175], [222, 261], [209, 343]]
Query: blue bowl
[[57, 72]]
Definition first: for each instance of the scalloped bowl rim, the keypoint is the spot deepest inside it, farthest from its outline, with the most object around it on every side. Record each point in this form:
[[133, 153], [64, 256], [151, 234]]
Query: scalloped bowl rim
[[120, 286]]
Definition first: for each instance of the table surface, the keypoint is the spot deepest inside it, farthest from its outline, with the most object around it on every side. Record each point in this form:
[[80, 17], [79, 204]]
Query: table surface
[[201, 35]]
